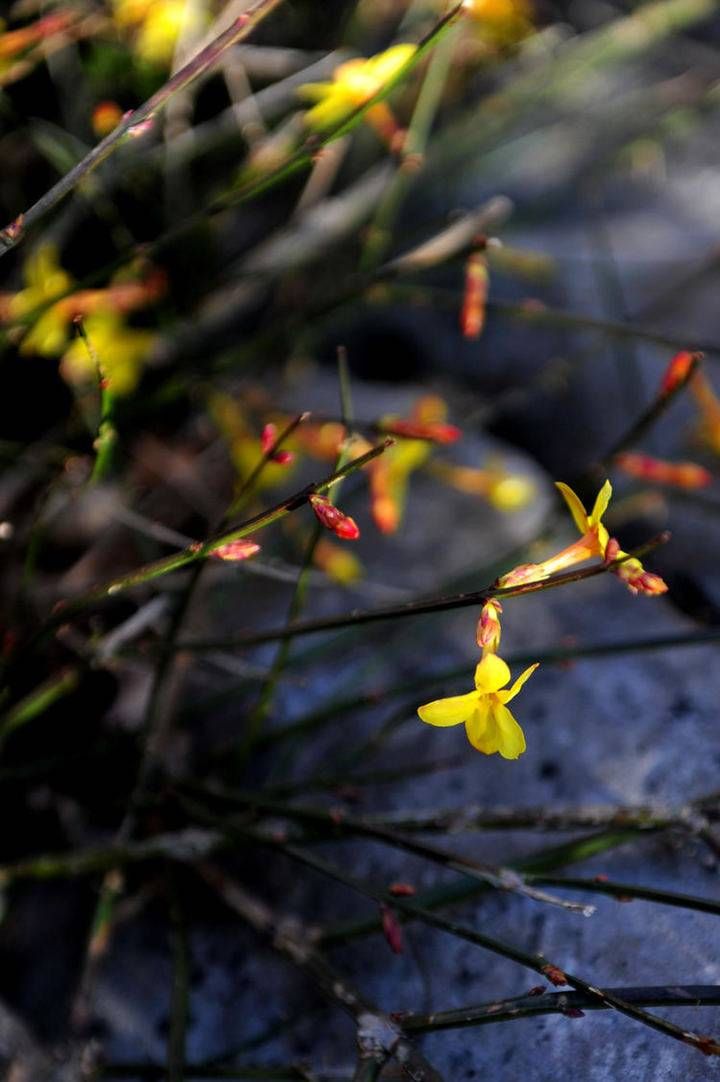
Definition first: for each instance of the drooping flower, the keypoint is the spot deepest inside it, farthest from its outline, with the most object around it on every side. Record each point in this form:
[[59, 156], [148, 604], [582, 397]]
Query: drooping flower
[[489, 725], [354, 83]]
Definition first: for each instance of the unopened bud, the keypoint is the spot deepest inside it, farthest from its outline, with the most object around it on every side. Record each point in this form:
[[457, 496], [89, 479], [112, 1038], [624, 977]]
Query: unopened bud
[[268, 439], [236, 550], [678, 371], [333, 518], [638, 580], [488, 628]]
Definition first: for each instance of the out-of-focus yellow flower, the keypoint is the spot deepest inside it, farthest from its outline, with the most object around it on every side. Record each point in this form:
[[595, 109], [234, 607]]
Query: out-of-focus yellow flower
[[120, 351], [389, 477], [157, 24], [709, 409], [500, 22], [506, 491], [243, 443], [354, 83], [338, 562], [489, 725], [45, 280]]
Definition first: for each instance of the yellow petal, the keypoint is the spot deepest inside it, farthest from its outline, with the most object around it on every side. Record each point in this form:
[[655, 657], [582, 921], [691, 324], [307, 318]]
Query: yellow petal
[[481, 731], [574, 503], [491, 674], [601, 503], [449, 711], [511, 738], [385, 66], [506, 696]]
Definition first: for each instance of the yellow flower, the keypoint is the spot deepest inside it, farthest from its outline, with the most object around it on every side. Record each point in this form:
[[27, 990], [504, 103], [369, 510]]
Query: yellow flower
[[45, 281], [489, 725], [593, 541], [354, 83], [157, 25], [120, 351], [500, 22]]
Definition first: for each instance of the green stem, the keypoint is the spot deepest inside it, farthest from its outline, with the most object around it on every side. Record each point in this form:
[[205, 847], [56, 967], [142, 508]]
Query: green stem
[[201, 551]]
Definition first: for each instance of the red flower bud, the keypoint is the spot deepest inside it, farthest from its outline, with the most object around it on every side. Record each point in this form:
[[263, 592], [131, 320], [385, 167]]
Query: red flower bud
[[678, 371], [333, 519]]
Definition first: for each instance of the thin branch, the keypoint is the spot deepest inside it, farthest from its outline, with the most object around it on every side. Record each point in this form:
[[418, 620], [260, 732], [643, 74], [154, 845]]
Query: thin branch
[[508, 1010], [415, 608], [536, 962], [379, 1038]]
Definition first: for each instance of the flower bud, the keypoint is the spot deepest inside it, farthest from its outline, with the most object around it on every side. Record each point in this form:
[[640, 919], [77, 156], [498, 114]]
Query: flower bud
[[488, 628], [236, 550], [678, 371], [333, 519]]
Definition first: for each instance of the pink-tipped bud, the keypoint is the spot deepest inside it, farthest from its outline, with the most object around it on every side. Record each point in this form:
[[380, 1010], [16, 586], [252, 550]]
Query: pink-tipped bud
[[488, 628], [236, 550], [333, 519], [391, 929], [268, 438], [637, 579], [678, 371]]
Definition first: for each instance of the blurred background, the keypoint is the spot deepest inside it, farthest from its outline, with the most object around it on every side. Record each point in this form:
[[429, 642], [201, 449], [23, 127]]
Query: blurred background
[[485, 229]]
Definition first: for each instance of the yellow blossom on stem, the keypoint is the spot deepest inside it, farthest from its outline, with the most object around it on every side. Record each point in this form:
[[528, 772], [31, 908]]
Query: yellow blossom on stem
[[594, 541], [120, 350], [45, 281], [156, 25], [354, 83], [489, 725]]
